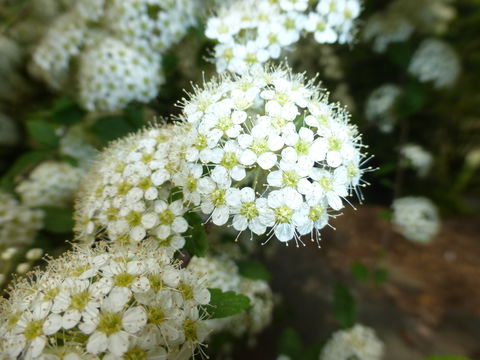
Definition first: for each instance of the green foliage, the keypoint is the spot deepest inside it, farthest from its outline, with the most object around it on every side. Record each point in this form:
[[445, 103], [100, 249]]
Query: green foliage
[[42, 132], [360, 272], [385, 214], [23, 164], [196, 238], [290, 344], [224, 304], [253, 270], [380, 276], [66, 112], [57, 220], [111, 127], [344, 306]]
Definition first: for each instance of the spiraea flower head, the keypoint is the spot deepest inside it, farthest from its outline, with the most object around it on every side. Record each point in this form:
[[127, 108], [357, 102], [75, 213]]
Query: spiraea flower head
[[416, 218], [120, 302], [113, 74], [279, 156], [127, 194], [251, 32], [52, 183], [380, 106], [359, 342], [437, 62], [18, 223], [418, 158]]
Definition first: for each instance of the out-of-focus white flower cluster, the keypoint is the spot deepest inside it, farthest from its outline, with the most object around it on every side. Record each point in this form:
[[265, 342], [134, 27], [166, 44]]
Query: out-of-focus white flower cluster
[[418, 158], [52, 183], [265, 150], [380, 107], [8, 131], [75, 143], [251, 32], [18, 223], [416, 218], [222, 273], [120, 302], [402, 18], [359, 342], [117, 46], [437, 62]]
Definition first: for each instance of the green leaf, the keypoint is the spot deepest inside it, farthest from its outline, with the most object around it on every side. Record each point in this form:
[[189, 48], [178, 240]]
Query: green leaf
[[67, 112], [360, 271], [290, 344], [110, 128], [385, 214], [135, 114], [224, 304], [413, 99], [446, 357], [344, 307], [312, 353], [253, 270], [196, 238], [42, 132], [57, 220], [21, 165], [381, 275]]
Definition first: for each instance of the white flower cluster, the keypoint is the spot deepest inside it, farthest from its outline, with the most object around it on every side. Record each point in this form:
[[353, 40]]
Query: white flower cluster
[[402, 18], [115, 303], [265, 150], [222, 273], [416, 218], [437, 62], [117, 45], [8, 131], [380, 107], [359, 342], [251, 32], [278, 154], [75, 143], [418, 158], [52, 183], [126, 194], [18, 223], [113, 74]]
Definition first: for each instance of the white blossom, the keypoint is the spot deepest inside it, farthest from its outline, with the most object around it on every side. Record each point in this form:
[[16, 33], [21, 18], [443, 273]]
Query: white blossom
[[359, 342], [380, 106], [418, 158], [435, 61], [416, 218]]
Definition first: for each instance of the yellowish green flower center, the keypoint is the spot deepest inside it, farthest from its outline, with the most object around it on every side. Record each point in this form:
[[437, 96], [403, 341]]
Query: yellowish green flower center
[[290, 178], [249, 210], [229, 160], [134, 218], [135, 354], [316, 213], [124, 279], [283, 214], [166, 217], [155, 315], [302, 147], [334, 144], [33, 330], [80, 300], [259, 146], [218, 197], [110, 323]]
